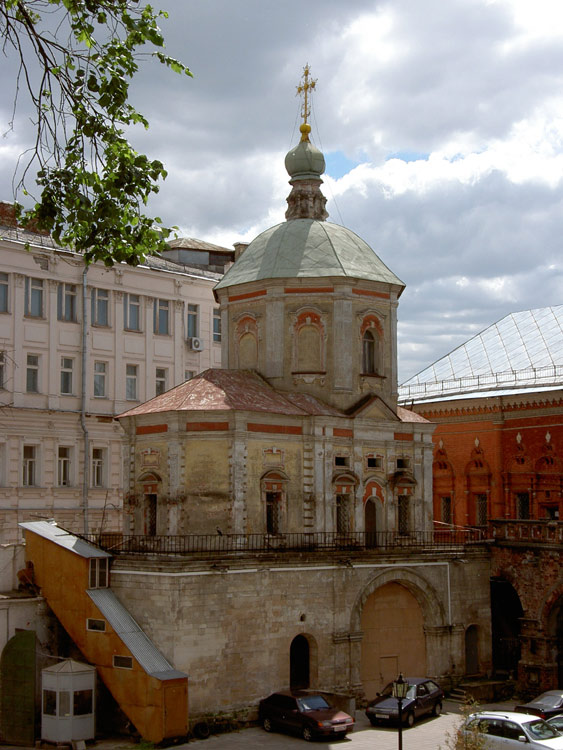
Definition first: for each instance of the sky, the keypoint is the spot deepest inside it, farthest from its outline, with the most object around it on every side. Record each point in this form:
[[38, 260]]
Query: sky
[[442, 128]]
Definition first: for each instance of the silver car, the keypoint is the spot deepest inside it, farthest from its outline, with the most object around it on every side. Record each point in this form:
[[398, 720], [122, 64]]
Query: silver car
[[508, 729]]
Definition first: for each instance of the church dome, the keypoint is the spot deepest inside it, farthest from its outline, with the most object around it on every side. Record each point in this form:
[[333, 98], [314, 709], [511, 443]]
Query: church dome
[[307, 248]]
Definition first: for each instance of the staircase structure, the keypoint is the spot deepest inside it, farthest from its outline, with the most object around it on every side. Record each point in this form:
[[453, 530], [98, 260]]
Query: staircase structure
[[74, 578]]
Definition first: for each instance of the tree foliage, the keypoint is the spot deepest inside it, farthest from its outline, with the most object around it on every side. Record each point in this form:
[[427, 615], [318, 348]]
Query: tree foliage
[[76, 59]]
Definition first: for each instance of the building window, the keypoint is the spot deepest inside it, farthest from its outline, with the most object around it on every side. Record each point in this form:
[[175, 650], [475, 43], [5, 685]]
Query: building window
[[131, 372], [481, 509], [161, 378], [403, 512], [403, 463], [446, 509], [66, 302], [341, 461], [33, 302], [342, 514], [123, 662], [100, 372], [29, 478], [64, 466], [99, 626], [4, 279], [99, 573], [98, 467], [193, 321], [83, 702], [131, 312], [369, 353], [522, 505], [189, 374], [217, 325], [161, 317], [50, 702], [2, 370], [272, 512], [67, 365], [100, 307], [32, 374], [374, 462]]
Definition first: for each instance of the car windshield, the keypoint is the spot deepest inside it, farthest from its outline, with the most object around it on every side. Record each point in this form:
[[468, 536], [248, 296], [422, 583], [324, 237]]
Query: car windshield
[[387, 692], [312, 703], [541, 730]]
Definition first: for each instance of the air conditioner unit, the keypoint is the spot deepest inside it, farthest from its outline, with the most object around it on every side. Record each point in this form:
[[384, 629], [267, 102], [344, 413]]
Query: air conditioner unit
[[195, 343]]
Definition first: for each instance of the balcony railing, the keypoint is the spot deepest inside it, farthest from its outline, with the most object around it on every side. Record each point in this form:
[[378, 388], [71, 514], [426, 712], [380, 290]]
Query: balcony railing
[[543, 531], [218, 544]]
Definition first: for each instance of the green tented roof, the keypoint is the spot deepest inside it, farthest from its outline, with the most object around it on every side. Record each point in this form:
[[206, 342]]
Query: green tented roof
[[307, 248]]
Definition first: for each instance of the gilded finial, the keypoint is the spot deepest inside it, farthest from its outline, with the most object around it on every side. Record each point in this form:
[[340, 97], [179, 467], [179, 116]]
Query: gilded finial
[[303, 89]]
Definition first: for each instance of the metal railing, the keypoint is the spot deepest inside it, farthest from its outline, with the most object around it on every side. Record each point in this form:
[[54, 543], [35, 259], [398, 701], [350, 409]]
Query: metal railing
[[531, 377], [215, 544]]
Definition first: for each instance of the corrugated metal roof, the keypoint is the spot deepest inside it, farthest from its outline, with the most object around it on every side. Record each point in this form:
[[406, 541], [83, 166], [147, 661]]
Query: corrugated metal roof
[[136, 640], [49, 530], [308, 248], [521, 351]]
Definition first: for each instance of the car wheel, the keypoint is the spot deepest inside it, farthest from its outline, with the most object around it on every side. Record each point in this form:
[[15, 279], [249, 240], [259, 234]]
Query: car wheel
[[409, 721], [267, 724], [437, 710], [307, 734]]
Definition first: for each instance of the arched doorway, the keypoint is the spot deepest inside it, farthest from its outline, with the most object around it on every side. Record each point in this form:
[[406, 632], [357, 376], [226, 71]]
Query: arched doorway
[[472, 650], [150, 510], [299, 663], [393, 642], [370, 520], [506, 612]]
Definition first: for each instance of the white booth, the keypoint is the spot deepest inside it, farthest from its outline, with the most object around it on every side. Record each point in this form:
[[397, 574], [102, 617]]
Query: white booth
[[68, 702]]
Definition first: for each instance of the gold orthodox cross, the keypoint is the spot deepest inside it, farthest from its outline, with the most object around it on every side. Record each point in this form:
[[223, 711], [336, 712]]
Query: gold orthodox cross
[[303, 89]]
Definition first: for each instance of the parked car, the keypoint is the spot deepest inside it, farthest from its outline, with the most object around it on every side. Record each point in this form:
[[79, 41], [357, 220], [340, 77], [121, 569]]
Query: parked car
[[424, 696], [509, 729], [304, 713], [545, 705]]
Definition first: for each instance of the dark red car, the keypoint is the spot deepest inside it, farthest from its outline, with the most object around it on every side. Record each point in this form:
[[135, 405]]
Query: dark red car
[[545, 705], [304, 713]]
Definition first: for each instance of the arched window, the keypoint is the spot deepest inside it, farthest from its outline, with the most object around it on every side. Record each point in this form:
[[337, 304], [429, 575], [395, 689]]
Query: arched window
[[248, 352], [309, 354], [369, 353]]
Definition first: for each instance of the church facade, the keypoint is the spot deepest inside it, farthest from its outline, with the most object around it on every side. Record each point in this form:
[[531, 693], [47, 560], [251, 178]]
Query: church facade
[[296, 490]]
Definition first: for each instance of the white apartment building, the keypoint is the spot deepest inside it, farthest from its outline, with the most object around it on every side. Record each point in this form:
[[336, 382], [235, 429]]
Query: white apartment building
[[78, 345]]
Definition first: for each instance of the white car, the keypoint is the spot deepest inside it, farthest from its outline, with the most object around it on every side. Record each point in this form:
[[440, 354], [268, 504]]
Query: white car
[[508, 729]]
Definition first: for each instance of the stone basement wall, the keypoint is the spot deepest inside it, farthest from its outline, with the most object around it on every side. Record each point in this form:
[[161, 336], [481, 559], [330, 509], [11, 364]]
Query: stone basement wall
[[229, 624]]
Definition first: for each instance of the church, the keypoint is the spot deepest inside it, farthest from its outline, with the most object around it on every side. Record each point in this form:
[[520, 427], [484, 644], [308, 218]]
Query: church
[[278, 527]]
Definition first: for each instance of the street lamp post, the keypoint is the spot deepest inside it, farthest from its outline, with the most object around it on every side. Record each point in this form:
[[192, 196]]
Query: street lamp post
[[400, 689]]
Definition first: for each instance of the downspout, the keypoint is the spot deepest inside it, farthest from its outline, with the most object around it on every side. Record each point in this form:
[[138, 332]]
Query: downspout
[[86, 473]]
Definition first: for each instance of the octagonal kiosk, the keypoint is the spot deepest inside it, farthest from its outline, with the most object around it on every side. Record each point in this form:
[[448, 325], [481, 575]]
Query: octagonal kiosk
[[68, 702]]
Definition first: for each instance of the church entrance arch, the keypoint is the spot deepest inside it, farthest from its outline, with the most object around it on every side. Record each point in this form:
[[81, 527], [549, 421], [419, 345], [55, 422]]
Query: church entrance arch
[[506, 611], [393, 626], [302, 662]]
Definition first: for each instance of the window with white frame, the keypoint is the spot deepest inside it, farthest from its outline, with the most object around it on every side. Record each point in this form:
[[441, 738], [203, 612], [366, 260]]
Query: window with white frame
[[2, 370], [4, 287], [131, 312], [32, 373], [161, 378], [64, 466], [100, 377], [189, 374], [217, 325], [98, 467], [131, 377], [33, 297], [29, 467], [66, 302], [99, 573], [193, 320], [67, 366], [161, 317], [100, 307]]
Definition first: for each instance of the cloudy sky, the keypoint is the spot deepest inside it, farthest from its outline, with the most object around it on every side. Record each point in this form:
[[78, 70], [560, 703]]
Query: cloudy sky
[[442, 126]]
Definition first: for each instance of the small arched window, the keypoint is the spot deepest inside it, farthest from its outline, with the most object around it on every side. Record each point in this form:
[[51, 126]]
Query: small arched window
[[369, 353]]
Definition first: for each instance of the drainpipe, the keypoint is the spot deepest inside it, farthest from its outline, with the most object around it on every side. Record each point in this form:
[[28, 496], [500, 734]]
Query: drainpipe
[[86, 473]]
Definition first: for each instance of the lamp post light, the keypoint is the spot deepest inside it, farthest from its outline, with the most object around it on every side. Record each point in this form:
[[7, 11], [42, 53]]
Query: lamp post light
[[400, 690]]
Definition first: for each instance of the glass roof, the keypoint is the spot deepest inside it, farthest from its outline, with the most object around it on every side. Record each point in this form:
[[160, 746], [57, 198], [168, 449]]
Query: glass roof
[[523, 350]]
